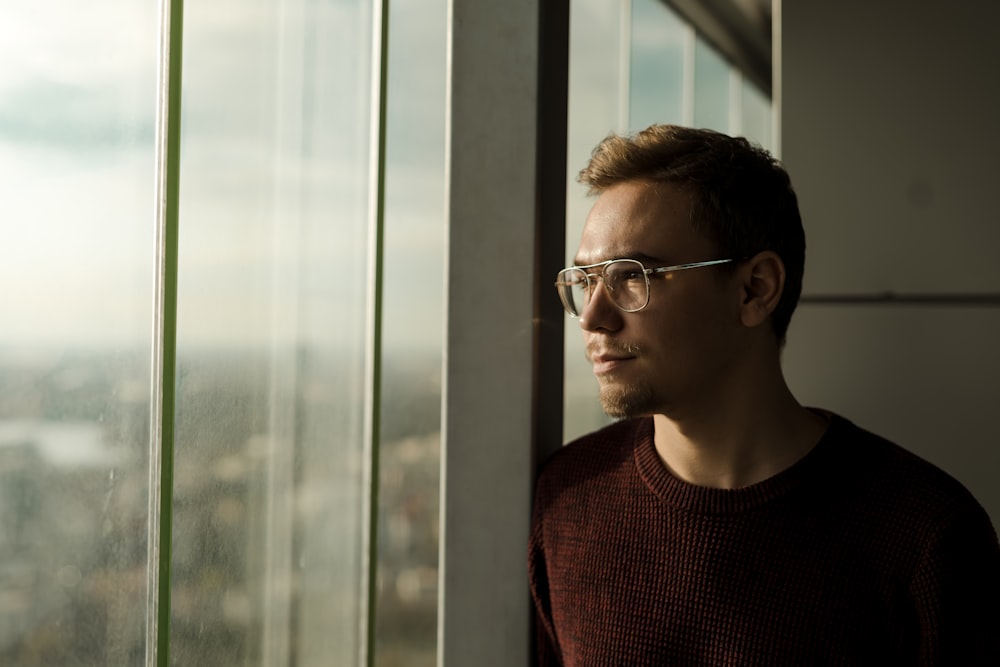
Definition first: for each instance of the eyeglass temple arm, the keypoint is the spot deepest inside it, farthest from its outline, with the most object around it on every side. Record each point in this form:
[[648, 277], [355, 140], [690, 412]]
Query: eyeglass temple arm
[[689, 265]]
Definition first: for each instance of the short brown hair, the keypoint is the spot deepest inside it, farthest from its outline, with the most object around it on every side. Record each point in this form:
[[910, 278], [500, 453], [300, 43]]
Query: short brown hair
[[742, 196]]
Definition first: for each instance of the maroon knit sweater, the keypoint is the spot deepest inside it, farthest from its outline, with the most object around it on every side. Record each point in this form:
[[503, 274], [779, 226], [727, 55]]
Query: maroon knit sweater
[[859, 554]]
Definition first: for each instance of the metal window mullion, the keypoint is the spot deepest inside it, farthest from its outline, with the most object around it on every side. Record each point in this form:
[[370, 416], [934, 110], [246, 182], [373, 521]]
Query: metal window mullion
[[164, 330], [373, 360], [776, 85]]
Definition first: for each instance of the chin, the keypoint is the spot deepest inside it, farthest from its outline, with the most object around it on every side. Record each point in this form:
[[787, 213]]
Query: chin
[[627, 402]]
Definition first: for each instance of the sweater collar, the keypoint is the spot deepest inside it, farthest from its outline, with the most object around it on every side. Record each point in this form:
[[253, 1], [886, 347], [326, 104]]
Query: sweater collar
[[707, 500]]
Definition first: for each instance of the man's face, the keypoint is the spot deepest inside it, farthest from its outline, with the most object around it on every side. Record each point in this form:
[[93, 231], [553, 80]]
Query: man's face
[[674, 355]]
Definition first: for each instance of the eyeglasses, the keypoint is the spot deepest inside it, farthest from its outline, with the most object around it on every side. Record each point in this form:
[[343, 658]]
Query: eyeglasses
[[626, 281]]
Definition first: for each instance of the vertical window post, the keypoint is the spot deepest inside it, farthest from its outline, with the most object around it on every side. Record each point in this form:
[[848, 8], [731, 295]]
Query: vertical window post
[[163, 380], [506, 122]]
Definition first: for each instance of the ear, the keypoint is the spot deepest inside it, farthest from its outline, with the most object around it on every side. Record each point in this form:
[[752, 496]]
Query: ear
[[763, 283]]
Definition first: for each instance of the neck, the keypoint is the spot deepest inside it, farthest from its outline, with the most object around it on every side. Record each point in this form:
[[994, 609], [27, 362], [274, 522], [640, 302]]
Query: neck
[[740, 440]]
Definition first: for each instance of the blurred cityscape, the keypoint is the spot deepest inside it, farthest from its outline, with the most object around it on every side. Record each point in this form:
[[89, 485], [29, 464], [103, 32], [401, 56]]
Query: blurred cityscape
[[268, 510]]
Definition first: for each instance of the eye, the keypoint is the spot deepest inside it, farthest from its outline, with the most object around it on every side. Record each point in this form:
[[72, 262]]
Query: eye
[[575, 280], [632, 274], [620, 274], [572, 278]]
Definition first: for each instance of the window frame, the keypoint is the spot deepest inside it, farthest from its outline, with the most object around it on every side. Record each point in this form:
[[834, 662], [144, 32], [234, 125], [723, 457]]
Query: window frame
[[509, 74]]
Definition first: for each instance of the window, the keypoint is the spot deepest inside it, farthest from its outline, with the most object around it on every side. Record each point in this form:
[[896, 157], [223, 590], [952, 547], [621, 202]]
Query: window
[[274, 333], [76, 162], [270, 499], [352, 446], [406, 607]]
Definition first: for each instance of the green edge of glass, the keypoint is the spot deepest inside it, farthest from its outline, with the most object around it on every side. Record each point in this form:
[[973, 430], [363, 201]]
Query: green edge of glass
[[169, 341], [382, 35]]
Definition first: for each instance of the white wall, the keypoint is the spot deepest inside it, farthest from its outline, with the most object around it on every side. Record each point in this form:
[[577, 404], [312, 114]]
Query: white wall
[[889, 115]]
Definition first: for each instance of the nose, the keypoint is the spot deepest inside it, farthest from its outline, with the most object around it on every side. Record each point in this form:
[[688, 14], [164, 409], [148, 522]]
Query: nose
[[599, 312]]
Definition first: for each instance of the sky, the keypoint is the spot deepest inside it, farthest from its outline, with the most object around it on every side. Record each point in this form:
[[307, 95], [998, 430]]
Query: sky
[[275, 166], [274, 208], [75, 167]]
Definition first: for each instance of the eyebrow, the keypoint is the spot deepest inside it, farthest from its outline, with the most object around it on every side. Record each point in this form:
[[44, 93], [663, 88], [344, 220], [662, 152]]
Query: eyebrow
[[646, 260]]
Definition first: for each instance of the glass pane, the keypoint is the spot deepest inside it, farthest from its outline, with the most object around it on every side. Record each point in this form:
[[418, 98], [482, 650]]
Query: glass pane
[[269, 493], [711, 88], [598, 105], [756, 117], [413, 295], [658, 44], [77, 106]]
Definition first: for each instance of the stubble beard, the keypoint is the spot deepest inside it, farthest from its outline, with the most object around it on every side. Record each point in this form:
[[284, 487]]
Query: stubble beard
[[625, 401]]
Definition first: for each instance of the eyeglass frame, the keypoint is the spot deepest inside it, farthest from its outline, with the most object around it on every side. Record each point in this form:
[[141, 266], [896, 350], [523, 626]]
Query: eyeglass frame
[[645, 271]]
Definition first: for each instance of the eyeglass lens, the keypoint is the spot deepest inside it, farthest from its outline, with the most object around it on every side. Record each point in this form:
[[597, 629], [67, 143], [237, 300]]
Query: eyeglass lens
[[624, 280]]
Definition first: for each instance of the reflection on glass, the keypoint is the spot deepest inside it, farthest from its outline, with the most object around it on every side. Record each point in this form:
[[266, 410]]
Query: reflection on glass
[[413, 279], [659, 46], [77, 99], [273, 299], [711, 88], [757, 115], [272, 333]]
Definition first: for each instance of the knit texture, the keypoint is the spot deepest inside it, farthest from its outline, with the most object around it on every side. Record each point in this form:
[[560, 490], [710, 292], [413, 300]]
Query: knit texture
[[859, 554]]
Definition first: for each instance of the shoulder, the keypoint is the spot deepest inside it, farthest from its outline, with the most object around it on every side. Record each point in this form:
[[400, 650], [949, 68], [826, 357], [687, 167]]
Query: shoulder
[[597, 449], [894, 481], [600, 454]]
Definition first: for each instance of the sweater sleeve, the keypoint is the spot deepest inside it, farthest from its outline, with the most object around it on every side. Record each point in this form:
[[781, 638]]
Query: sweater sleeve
[[956, 592]]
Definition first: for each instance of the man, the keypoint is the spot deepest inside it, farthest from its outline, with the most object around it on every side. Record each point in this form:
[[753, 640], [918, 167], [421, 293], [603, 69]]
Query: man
[[719, 522]]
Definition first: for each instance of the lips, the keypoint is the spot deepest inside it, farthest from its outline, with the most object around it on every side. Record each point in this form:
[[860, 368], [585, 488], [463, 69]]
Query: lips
[[608, 360], [604, 365]]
